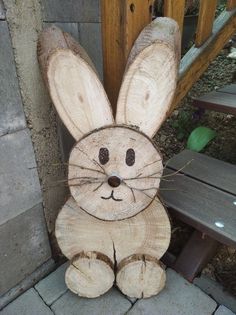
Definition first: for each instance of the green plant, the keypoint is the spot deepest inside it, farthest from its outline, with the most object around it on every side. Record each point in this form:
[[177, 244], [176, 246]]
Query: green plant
[[199, 138], [183, 124]]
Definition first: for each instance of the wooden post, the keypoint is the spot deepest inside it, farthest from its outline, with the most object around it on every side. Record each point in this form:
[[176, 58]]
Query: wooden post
[[122, 21], [231, 4], [197, 60], [175, 10], [205, 21]]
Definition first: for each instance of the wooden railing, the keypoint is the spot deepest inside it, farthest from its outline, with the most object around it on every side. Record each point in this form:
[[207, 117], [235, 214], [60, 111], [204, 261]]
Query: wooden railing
[[211, 36], [123, 20]]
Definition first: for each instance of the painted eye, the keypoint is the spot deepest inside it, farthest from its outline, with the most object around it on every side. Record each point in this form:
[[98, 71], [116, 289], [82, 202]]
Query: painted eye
[[130, 157], [103, 155]]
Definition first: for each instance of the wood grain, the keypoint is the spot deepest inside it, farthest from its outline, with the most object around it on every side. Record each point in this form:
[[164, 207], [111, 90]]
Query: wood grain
[[122, 21], [175, 9], [147, 233], [149, 83], [197, 60], [218, 101], [201, 205], [140, 276], [206, 169], [74, 87], [90, 274], [231, 89], [98, 171], [138, 15], [195, 255], [205, 21], [231, 4], [161, 29]]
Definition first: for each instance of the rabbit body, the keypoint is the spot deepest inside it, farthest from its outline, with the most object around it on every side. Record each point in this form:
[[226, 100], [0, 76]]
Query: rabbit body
[[141, 234], [103, 218], [113, 228], [146, 234]]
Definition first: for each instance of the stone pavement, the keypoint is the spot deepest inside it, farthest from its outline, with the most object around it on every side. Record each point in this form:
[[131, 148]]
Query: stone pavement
[[51, 297]]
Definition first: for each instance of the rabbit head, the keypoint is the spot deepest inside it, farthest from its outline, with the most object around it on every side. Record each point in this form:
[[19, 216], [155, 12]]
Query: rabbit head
[[114, 167]]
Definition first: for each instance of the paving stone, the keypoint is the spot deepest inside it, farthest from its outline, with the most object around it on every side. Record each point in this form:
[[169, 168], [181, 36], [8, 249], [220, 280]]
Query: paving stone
[[27, 283], [113, 302], [179, 297], [71, 28], [11, 110], [28, 303], [71, 10], [20, 189], [132, 300], [24, 247], [91, 39], [53, 286], [222, 310], [216, 290]]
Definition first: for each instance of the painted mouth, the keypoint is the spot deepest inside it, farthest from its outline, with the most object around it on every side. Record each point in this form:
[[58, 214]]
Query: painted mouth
[[111, 197]]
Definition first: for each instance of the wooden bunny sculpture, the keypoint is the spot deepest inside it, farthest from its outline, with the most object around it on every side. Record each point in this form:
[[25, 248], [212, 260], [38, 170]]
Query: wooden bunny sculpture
[[113, 228]]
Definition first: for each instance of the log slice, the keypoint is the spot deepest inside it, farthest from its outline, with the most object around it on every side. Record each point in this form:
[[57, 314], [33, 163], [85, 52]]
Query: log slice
[[90, 274], [114, 172]]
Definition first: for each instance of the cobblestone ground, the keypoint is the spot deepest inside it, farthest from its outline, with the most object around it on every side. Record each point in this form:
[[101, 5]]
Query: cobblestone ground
[[51, 296]]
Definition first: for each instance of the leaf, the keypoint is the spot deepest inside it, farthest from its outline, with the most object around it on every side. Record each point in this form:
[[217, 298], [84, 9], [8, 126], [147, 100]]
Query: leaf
[[199, 138]]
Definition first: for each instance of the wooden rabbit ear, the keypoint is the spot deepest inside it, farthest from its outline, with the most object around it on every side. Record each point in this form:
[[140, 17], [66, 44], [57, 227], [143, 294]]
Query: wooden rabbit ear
[[150, 79], [75, 88]]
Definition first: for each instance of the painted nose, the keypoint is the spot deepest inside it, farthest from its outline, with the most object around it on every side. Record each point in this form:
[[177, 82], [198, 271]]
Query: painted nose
[[114, 181]]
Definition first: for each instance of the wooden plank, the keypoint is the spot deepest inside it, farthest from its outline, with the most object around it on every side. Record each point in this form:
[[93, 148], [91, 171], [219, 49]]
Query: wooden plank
[[122, 21], [231, 4], [195, 255], [138, 14], [218, 101], [175, 10], [202, 206], [197, 60], [168, 259], [206, 169], [231, 88], [205, 21]]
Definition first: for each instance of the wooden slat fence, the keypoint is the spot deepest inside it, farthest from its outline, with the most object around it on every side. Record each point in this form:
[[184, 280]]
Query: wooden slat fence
[[211, 36], [123, 20]]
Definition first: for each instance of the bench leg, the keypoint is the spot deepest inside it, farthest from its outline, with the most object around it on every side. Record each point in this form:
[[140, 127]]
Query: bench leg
[[195, 255]]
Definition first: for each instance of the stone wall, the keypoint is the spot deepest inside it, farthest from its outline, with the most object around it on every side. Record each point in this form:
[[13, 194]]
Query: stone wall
[[32, 143], [24, 244]]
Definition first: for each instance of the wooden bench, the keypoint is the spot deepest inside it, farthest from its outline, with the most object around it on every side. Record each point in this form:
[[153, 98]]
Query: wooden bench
[[222, 100], [204, 197]]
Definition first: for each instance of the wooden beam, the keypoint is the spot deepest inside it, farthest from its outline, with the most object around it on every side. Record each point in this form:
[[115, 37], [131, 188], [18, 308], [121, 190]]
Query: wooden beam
[[175, 10], [231, 4], [122, 21], [205, 21], [197, 60], [195, 255]]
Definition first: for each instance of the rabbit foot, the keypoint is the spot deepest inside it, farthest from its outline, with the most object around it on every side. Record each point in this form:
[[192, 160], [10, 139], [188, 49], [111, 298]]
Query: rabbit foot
[[140, 276], [90, 274]]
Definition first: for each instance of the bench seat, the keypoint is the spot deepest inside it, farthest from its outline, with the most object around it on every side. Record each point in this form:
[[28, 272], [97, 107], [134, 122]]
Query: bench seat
[[202, 195], [222, 100]]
